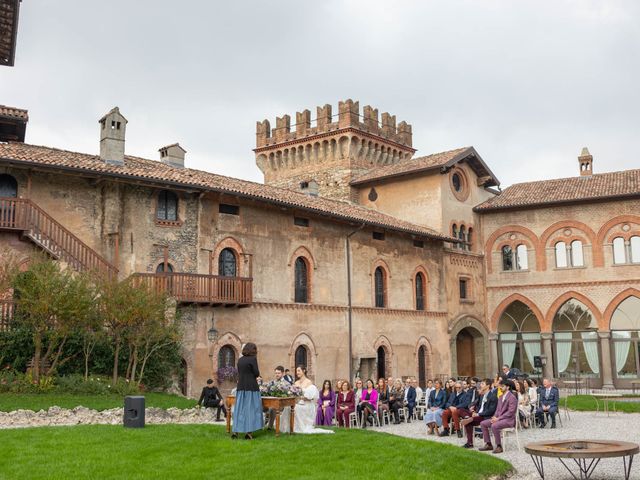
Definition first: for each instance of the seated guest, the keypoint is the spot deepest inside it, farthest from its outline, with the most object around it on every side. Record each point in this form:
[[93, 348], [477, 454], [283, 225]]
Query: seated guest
[[326, 405], [505, 417], [548, 398], [496, 385], [368, 404], [437, 402], [484, 409], [523, 403], [533, 393], [419, 392], [383, 396], [396, 399], [345, 404], [211, 398], [287, 376], [338, 386], [428, 391], [357, 391], [457, 406], [508, 373], [409, 398]]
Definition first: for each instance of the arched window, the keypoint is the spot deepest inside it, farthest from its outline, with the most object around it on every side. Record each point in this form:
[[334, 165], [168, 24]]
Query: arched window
[[380, 287], [561, 255], [381, 360], [301, 281], [167, 206], [577, 257], [301, 356], [575, 339], [8, 186], [161, 269], [454, 234], [522, 259], [420, 291], [226, 357], [507, 258], [625, 332], [619, 254], [635, 249], [469, 238], [519, 337], [227, 263], [462, 236]]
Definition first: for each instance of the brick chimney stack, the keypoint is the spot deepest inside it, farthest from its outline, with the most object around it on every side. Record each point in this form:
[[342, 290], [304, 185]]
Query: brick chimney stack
[[586, 163], [112, 132]]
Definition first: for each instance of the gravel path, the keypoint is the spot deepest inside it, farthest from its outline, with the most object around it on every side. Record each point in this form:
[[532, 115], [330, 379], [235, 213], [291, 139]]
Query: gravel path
[[581, 425]]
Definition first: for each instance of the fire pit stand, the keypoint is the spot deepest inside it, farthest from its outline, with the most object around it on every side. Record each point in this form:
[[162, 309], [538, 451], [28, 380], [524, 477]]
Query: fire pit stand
[[586, 454]]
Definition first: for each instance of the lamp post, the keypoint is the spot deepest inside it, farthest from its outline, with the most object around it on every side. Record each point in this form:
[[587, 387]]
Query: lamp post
[[212, 333]]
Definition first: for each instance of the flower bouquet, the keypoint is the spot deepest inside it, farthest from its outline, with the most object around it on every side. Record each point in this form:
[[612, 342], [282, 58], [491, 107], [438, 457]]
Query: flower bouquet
[[280, 388], [227, 373]]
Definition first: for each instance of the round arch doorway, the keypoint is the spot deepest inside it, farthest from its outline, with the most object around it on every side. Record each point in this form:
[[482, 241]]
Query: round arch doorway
[[469, 352]]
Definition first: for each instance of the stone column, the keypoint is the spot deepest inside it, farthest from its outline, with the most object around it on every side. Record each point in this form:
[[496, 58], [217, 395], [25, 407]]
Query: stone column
[[493, 354], [547, 351], [607, 369]]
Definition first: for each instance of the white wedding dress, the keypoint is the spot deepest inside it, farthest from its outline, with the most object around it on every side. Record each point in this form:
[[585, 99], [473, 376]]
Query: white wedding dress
[[305, 413]]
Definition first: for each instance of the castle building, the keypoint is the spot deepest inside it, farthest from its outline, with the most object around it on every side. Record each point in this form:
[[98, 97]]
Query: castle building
[[355, 257]]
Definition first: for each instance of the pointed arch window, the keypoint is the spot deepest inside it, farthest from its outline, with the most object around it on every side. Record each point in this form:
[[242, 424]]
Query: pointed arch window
[[454, 234], [575, 337], [226, 357], [382, 362], [507, 258], [301, 281], [619, 251], [462, 236], [227, 263], [625, 333], [577, 256], [167, 206], [561, 255], [380, 287], [519, 338], [522, 259], [634, 247], [301, 357], [420, 285]]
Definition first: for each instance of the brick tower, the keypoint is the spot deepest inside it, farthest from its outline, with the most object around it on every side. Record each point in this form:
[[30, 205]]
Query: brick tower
[[323, 159]]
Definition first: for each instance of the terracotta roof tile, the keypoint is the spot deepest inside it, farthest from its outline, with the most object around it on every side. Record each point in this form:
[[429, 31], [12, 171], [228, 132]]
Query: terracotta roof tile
[[155, 171], [12, 112], [566, 190], [404, 167]]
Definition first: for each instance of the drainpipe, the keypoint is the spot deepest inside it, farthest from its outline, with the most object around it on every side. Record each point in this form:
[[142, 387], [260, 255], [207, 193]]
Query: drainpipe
[[349, 305]]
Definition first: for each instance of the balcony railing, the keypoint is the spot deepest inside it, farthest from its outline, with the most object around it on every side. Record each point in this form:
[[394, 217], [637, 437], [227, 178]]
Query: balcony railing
[[6, 314], [199, 288]]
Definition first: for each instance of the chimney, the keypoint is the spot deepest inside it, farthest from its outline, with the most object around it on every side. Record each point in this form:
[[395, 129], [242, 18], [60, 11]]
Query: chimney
[[173, 155], [112, 130], [586, 163]]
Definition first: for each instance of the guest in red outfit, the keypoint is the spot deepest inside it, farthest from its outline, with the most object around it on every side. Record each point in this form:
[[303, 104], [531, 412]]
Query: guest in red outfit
[[346, 404]]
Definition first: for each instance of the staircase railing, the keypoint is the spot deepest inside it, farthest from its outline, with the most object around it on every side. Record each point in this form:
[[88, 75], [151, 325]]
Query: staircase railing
[[22, 214]]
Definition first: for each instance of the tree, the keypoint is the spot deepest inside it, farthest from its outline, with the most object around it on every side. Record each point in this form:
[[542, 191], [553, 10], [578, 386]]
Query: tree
[[51, 303]]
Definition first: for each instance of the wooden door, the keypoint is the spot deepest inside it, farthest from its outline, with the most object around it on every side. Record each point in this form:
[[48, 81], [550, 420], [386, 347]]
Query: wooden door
[[465, 354]]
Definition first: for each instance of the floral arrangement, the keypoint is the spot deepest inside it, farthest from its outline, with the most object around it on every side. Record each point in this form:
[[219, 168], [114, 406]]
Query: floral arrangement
[[227, 373], [280, 388]]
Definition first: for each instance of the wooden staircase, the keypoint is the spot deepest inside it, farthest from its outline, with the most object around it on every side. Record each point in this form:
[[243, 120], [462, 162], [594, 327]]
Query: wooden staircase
[[23, 215]]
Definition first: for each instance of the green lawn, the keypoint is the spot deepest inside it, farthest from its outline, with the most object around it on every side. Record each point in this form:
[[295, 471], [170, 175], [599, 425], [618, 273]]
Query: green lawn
[[42, 401], [205, 451], [587, 403]]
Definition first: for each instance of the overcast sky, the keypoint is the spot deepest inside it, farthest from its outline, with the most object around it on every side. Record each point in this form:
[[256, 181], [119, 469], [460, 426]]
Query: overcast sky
[[527, 83]]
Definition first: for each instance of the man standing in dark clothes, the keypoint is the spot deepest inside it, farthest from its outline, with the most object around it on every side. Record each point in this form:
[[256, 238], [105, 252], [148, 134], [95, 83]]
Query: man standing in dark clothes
[[212, 399]]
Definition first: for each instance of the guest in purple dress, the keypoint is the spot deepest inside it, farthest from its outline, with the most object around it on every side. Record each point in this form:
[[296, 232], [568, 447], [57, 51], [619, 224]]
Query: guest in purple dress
[[326, 405]]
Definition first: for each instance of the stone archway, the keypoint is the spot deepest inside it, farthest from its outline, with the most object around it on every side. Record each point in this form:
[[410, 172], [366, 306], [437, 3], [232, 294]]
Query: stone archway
[[469, 348]]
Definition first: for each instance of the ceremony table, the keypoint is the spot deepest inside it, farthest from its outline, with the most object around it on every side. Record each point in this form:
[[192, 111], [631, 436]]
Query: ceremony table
[[278, 404]]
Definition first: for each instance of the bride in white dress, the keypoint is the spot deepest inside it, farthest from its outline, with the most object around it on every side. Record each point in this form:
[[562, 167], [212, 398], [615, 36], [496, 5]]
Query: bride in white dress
[[305, 412]]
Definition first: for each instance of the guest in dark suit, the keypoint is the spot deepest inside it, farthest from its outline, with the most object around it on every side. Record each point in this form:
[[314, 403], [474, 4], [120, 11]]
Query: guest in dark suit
[[548, 398], [409, 398], [211, 398], [458, 403], [483, 409], [505, 417], [287, 376], [247, 412]]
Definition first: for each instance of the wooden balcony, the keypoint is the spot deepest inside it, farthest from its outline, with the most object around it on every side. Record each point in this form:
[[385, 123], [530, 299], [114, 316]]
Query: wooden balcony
[[200, 289]]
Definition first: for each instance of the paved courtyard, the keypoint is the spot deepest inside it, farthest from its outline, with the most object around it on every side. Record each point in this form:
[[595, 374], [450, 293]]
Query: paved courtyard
[[581, 425]]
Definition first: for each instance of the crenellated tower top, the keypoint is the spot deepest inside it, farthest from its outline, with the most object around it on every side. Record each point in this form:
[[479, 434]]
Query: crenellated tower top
[[327, 150]]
